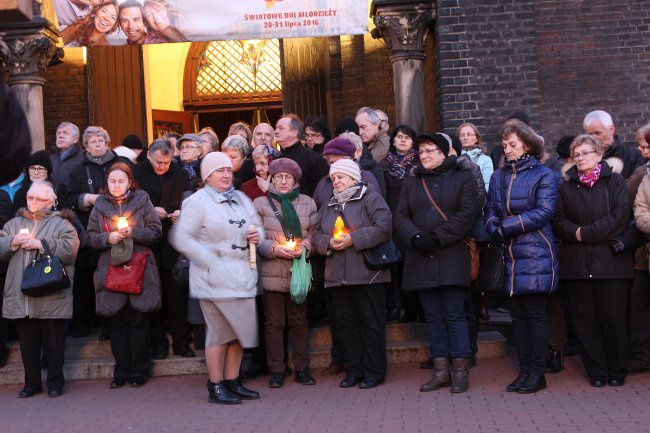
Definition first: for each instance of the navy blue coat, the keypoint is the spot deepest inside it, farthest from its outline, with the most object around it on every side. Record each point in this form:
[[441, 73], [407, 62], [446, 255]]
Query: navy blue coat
[[530, 198]]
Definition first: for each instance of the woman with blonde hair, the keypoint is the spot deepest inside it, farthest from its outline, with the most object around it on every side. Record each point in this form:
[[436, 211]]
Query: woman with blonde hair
[[91, 30]]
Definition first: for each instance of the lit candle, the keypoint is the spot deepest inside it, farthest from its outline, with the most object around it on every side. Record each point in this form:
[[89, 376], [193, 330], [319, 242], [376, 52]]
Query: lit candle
[[252, 251], [122, 223], [339, 228], [291, 243], [24, 231]]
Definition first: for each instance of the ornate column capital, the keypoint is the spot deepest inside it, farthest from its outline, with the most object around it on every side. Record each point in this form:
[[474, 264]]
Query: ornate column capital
[[27, 57], [403, 25]]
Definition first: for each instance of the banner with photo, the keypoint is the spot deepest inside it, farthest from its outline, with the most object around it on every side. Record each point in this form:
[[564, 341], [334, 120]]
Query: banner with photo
[[91, 23]]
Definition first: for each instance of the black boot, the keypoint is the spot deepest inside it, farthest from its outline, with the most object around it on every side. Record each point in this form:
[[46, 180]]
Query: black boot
[[243, 392], [532, 384], [220, 393], [516, 384], [554, 361]]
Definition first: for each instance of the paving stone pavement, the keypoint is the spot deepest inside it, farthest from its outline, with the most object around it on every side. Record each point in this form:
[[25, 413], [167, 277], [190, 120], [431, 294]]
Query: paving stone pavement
[[179, 405]]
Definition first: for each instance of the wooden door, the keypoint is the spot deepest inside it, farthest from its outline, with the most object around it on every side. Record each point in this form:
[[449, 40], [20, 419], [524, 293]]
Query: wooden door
[[303, 76], [116, 92]]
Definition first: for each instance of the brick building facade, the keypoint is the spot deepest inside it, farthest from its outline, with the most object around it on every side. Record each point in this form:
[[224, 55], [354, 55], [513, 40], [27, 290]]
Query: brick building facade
[[555, 59]]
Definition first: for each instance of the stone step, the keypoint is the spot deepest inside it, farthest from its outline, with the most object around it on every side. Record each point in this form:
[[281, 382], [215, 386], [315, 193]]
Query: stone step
[[394, 332], [491, 345]]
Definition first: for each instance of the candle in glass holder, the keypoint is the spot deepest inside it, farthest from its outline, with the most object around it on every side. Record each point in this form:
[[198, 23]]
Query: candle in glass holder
[[24, 231], [339, 228], [291, 243], [122, 223]]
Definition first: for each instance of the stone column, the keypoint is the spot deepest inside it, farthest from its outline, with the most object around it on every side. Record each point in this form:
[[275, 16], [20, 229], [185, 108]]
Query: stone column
[[404, 27], [27, 50]]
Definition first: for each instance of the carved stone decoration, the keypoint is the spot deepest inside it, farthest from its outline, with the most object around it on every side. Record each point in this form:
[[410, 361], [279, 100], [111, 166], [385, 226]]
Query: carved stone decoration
[[26, 59], [404, 26]]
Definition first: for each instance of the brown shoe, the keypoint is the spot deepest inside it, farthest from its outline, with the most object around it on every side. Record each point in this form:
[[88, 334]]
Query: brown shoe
[[440, 375], [459, 375], [332, 370]]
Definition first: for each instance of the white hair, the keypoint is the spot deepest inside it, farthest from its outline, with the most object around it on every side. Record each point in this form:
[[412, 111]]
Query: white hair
[[598, 116], [371, 113], [45, 185], [354, 138], [74, 128]]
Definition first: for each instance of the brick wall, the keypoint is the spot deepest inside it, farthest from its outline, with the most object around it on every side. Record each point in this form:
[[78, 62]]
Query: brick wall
[[486, 63], [64, 94], [593, 55]]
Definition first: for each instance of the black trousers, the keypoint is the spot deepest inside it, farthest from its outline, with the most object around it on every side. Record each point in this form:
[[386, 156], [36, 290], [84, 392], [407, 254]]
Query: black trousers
[[639, 321], [336, 352], [83, 290], [360, 314], [130, 343], [600, 316], [530, 331], [4, 323], [174, 299], [48, 335]]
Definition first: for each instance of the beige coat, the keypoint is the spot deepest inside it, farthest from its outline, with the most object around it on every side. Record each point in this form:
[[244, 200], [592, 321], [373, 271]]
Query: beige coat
[[63, 242], [275, 274]]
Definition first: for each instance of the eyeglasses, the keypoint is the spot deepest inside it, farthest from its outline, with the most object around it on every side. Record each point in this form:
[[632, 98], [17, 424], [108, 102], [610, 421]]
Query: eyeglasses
[[37, 199], [428, 151], [283, 178], [37, 169], [580, 155], [182, 148]]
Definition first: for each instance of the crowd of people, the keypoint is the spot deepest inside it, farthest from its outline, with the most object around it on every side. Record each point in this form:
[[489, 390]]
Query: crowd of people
[[216, 233]]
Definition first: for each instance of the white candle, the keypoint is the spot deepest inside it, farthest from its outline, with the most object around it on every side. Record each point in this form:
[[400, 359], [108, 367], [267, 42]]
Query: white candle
[[24, 231], [252, 251]]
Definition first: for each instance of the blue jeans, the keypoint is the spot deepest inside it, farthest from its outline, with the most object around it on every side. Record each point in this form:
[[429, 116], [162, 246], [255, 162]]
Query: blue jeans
[[444, 311]]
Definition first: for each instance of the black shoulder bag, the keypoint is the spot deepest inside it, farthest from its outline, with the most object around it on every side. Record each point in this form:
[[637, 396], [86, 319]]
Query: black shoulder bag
[[491, 277], [45, 275], [381, 256]]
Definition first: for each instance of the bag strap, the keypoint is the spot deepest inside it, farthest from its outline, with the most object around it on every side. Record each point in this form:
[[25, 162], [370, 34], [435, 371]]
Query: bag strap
[[433, 202], [46, 248], [278, 216], [90, 180]]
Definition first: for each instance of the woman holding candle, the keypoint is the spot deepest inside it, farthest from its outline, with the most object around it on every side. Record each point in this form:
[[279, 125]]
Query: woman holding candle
[[286, 238], [220, 274], [124, 216], [40, 322], [357, 292]]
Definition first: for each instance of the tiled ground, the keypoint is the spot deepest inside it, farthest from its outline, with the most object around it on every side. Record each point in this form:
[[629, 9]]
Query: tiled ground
[[179, 405]]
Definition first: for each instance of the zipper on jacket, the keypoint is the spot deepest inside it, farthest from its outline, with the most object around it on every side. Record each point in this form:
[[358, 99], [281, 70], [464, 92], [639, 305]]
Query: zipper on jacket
[[512, 268], [550, 248]]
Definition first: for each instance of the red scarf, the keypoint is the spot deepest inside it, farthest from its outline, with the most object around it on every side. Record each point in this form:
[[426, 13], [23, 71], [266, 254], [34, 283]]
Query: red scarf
[[590, 179]]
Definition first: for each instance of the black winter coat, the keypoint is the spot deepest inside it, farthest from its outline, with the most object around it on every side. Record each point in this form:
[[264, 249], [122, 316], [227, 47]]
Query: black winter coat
[[453, 187], [630, 156], [312, 164], [602, 212], [165, 191]]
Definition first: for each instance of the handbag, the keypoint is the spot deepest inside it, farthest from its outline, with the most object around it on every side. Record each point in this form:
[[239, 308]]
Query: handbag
[[128, 277], [491, 277], [470, 242], [181, 270], [381, 256], [45, 275]]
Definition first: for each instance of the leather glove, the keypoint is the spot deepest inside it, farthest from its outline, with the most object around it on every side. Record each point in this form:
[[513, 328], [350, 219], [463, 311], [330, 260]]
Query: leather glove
[[616, 245], [424, 242]]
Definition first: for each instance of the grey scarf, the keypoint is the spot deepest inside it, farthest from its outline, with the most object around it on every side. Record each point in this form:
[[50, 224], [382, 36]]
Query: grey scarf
[[345, 195]]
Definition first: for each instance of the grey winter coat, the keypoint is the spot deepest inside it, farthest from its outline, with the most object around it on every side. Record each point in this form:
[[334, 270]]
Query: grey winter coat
[[147, 230], [275, 274], [370, 224], [61, 237]]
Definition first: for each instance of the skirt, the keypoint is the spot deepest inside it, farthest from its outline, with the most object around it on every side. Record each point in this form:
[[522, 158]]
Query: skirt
[[230, 320]]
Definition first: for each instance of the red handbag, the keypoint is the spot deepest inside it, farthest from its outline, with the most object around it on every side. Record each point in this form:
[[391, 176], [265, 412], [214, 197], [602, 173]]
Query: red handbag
[[128, 277]]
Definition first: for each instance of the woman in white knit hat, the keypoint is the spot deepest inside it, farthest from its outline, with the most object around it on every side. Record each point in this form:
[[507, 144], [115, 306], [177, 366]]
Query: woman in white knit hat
[[357, 292], [215, 232]]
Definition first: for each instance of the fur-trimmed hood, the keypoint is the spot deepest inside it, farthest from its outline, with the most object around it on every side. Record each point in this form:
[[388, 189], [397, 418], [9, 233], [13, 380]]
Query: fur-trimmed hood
[[615, 163]]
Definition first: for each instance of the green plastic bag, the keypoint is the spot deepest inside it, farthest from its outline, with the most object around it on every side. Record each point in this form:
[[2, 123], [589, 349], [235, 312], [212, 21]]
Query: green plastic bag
[[300, 279]]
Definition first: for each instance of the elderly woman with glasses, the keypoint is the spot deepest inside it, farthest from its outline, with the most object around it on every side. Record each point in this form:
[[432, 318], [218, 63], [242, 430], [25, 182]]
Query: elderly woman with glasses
[[236, 147], [593, 209], [39, 321], [189, 147]]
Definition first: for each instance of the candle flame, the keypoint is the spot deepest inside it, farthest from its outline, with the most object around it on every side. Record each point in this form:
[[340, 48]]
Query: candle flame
[[339, 228], [122, 223]]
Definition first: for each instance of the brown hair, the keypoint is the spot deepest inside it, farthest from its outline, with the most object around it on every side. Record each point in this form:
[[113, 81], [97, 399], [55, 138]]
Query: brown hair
[[81, 30], [526, 134], [479, 140], [124, 167]]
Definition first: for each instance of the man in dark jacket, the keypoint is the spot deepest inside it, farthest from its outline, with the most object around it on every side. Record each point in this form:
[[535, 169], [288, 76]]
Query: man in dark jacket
[[69, 155], [288, 132], [600, 123], [165, 183]]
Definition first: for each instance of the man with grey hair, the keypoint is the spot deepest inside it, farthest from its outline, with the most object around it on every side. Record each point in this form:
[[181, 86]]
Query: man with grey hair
[[165, 183], [372, 133], [263, 135], [68, 155], [600, 124]]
